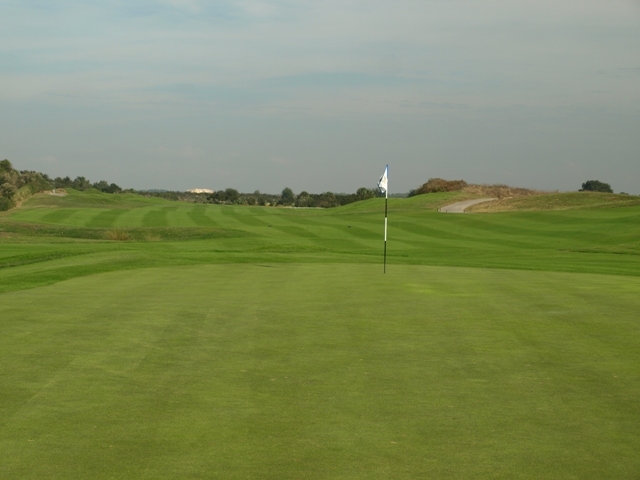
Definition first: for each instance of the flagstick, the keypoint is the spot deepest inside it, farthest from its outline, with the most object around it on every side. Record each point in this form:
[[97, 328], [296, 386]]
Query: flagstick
[[383, 184], [386, 199]]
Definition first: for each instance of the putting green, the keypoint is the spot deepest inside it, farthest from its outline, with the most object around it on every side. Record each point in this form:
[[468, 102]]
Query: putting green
[[321, 371]]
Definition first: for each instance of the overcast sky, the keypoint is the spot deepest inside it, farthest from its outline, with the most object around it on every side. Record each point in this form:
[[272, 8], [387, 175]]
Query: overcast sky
[[319, 96]]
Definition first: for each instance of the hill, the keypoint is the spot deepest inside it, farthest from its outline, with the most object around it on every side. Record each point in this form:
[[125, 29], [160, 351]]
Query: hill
[[557, 201], [90, 198], [147, 229]]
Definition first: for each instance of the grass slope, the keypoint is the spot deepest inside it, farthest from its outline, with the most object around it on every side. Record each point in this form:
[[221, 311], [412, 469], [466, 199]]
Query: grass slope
[[72, 239], [250, 371], [558, 201]]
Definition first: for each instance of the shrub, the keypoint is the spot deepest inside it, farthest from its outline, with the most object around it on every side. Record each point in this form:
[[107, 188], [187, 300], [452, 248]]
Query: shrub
[[5, 204], [501, 191], [118, 235], [435, 185], [596, 186]]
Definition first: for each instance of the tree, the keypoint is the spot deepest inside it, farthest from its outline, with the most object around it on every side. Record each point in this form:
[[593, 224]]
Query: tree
[[7, 190], [231, 195], [102, 185], [62, 182], [81, 183], [365, 193], [303, 199], [287, 197], [106, 187], [596, 186], [5, 166]]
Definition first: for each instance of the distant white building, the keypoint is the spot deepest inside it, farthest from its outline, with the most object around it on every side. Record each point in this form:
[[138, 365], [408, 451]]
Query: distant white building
[[200, 190]]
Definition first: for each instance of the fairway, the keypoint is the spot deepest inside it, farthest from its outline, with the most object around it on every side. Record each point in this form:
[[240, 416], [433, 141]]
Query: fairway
[[249, 342]]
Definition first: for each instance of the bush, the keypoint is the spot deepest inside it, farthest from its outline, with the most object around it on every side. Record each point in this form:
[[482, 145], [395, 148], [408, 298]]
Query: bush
[[5, 204], [435, 185], [118, 235], [596, 186], [365, 193], [8, 190], [287, 197]]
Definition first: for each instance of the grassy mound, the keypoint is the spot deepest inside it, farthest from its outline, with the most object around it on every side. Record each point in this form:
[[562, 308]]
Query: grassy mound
[[501, 191], [558, 201], [91, 198]]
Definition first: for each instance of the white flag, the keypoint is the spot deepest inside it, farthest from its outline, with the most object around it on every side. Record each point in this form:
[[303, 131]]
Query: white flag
[[382, 183]]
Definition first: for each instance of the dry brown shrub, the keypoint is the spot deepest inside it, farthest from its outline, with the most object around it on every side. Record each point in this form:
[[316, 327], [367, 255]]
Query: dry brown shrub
[[435, 185], [118, 235], [501, 191], [152, 237]]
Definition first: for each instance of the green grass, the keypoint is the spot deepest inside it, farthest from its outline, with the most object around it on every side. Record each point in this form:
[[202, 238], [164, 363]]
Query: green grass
[[248, 342], [172, 233]]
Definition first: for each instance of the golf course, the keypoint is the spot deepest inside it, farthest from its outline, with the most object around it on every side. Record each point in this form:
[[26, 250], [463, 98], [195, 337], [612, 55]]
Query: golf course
[[143, 338]]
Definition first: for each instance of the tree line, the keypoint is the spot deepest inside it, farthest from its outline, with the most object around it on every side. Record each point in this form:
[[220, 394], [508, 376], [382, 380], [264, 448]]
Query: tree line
[[287, 198], [13, 182], [16, 184], [82, 184]]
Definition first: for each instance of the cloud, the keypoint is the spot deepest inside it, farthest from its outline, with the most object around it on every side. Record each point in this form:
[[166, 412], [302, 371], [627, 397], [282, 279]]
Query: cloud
[[175, 65]]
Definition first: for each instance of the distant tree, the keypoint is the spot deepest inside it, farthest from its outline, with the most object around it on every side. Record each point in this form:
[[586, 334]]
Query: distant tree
[[36, 181], [113, 188], [106, 187], [7, 190], [102, 185], [231, 195], [287, 197], [365, 193], [65, 182], [12, 180], [596, 186], [5, 166], [217, 197], [303, 199], [327, 200], [81, 183]]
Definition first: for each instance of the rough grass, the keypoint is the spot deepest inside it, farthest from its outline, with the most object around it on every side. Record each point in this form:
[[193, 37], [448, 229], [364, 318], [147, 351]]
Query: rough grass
[[557, 201], [501, 191], [33, 231], [118, 235], [90, 198]]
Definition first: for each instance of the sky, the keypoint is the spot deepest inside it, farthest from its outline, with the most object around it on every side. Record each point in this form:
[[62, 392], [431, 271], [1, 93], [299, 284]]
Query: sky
[[320, 96]]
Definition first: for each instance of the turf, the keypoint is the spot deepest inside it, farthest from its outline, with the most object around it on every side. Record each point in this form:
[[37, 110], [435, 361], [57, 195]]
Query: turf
[[172, 233], [237, 371], [248, 342]]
